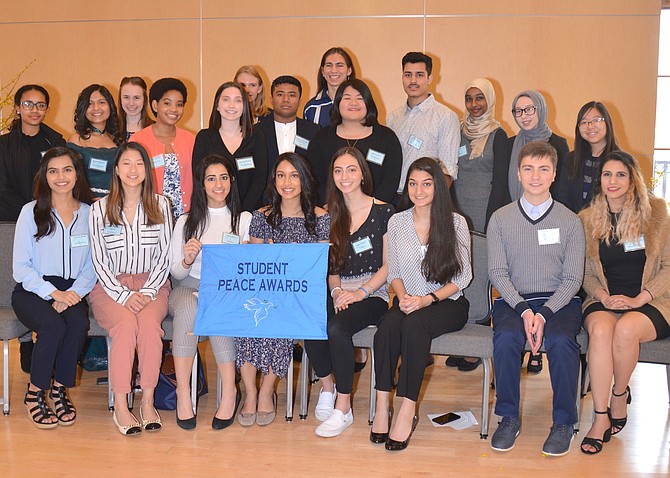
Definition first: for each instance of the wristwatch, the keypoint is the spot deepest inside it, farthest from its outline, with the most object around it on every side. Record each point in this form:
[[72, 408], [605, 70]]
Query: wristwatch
[[436, 299]]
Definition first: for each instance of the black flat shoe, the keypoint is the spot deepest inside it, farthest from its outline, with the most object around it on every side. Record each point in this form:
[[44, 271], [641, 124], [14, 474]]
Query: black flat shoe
[[220, 424], [597, 443], [619, 423], [358, 366], [467, 366], [393, 445], [186, 424], [534, 363], [379, 438]]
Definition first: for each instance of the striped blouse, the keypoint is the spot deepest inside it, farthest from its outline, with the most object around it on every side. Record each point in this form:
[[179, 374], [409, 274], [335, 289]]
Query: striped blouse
[[131, 248]]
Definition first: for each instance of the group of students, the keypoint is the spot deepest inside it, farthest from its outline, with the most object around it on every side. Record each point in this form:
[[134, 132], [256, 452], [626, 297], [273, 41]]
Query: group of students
[[99, 222]]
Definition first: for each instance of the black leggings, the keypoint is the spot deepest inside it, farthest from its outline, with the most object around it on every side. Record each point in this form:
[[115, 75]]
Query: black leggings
[[410, 336], [336, 354]]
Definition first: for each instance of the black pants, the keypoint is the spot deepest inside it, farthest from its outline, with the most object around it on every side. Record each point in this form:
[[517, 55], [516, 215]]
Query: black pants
[[410, 336], [336, 354], [60, 337]]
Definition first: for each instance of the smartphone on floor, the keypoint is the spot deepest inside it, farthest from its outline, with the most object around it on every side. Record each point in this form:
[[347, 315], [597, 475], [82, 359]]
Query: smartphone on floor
[[446, 418]]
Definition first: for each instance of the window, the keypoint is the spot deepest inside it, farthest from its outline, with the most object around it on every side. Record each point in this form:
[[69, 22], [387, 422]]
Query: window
[[662, 138]]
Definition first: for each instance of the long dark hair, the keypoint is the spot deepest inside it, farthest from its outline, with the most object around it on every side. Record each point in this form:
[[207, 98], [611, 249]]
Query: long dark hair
[[441, 262], [198, 216], [364, 90], [16, 122], [582, 150], [116, 198], [144, 116], [340, 217], [307, 192], [43, 212], [321, 81], [246, 120], [83, 126]]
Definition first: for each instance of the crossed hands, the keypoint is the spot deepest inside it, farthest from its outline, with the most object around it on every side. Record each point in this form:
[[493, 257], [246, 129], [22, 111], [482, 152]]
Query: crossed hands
[[64, 299], [533, 324]]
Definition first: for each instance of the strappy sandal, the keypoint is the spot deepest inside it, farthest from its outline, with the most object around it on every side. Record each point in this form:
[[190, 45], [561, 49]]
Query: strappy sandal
[[597, 443], [62, 405], [619, 423], [40, 412]]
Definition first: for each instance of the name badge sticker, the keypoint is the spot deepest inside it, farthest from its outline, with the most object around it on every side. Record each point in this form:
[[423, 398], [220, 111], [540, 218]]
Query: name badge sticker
[[462, 151], [301, 142], [245, 163], [229, 238], [158, 161], [113, 230], [376, 157], [98, 165], [547, 237], [80, 240], [362, 245], [638, 245], [414, 142]]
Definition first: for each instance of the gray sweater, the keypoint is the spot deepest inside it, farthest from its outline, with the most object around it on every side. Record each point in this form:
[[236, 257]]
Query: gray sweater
[[531, 257]]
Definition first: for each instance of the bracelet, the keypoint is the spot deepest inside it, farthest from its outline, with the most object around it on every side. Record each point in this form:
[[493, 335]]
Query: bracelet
[[367, 294], [186, 264], [336, 288]]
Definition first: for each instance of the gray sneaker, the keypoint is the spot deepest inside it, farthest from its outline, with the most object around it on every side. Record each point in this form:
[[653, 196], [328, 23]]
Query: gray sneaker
[[508, 430], [558, 441]]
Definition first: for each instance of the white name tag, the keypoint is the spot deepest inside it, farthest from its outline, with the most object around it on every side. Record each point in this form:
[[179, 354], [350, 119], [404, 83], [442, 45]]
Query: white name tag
[[113, 230], [376, 157], [245, 163], [462, 151], [546, 237], [301, 142], [98, 165], [229, 238], [158, 161], [414, 142], [80, 240], [634, 246], [362, 245]]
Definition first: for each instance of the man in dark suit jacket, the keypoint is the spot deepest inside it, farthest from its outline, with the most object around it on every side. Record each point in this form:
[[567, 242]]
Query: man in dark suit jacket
[[284, 131]]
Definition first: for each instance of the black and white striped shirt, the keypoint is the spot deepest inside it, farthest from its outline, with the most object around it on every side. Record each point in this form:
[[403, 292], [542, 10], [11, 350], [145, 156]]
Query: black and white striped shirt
[[132, 248]]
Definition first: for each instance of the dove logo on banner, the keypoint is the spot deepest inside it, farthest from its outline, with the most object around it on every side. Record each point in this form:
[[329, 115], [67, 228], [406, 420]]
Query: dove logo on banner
[[263, 291]]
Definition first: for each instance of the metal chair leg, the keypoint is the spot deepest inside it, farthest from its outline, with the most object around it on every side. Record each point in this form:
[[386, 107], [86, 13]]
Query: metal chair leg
[[194, 382], [304, 385], [5, 377], [373, 392], [486, 388]]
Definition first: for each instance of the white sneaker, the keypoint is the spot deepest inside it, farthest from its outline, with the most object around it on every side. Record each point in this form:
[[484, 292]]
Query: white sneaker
[[336, 423], [325, 405]]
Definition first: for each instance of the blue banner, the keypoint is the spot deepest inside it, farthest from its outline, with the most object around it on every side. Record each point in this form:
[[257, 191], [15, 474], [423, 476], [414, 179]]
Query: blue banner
[[263, 291]]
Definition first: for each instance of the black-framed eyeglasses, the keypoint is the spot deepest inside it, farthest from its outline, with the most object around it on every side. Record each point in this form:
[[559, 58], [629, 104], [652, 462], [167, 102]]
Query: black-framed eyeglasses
[[592, 122], [529, 110], [29, 105]]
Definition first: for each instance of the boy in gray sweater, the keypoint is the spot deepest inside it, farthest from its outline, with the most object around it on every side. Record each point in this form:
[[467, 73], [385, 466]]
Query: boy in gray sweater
[[536, 262]]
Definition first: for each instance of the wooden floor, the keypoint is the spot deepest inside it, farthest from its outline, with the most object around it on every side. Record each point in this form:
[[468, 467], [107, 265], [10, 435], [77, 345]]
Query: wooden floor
[[94, 448]]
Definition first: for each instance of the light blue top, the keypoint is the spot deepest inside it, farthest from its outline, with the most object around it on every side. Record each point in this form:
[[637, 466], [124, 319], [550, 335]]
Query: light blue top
[[65, 253]]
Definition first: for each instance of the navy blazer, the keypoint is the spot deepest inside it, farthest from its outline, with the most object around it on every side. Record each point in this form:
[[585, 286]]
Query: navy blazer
[[305, 129]]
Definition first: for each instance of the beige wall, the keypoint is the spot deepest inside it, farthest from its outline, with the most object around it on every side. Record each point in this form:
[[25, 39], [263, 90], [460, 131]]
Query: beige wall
[[572, 51]]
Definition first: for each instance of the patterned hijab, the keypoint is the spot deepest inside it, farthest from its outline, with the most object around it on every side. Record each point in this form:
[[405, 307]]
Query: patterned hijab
[[477, 130], [539, 133]]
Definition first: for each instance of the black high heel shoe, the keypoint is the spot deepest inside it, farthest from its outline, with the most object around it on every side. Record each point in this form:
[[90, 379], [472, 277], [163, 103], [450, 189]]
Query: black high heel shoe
[[619, 423], [597, 443], [393, 445], [379, 438], [187, 423], [220, 424]]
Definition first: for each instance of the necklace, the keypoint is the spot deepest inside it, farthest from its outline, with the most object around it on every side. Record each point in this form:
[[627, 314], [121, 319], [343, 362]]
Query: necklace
[[96, 130], [351, 145]]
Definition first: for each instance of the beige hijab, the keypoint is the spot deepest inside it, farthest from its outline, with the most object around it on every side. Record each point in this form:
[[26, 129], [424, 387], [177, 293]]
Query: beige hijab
[[477, 130]]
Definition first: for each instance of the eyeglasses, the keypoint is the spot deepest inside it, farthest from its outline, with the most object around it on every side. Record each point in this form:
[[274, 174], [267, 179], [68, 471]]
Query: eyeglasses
[[529, 110], [29, 105], [594, 121]]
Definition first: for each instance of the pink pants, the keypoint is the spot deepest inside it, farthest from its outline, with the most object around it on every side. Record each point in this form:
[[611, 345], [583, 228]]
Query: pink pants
[[128, 330]]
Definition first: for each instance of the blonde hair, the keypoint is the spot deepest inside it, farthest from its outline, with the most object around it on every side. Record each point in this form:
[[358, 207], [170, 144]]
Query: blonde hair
[[633, 219], [258, 106]]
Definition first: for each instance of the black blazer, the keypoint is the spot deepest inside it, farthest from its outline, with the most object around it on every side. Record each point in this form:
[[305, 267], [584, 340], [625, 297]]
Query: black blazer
[[305, 129]]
